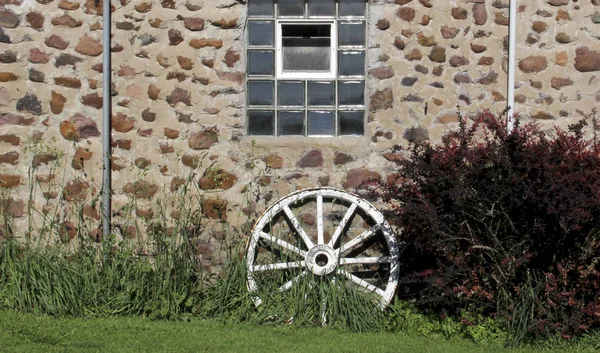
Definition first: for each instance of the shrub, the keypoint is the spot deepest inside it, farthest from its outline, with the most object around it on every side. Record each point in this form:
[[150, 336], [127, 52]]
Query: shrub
[[506, 223]]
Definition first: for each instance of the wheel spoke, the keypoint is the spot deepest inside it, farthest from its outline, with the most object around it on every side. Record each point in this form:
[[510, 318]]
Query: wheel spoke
[[282, 243], [342, 225], [296, 225], [365, 260], [287, 285], [320, 220], [368, 286], [279, 266], [359, 239]]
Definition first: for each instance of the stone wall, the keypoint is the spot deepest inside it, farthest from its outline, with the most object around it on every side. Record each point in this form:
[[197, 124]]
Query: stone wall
[[178, 101]]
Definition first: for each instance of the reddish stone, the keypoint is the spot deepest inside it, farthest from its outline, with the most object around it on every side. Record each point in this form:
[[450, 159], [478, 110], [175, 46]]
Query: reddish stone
[[342, 158], [500, 19], [533, 64], [406, 13], [35, 20], [89, 46], [174, 37], [559, 82], [311, 159], [477, 48], [81, 155], [92, 100], [539, 26], [449, 32], [224, 24], [153, 92], [193, 23], [191, 161], [231, 57], [8, 76], [176, 183], [414, 54], [488, 78], [67, 231], [425, 40], [179, 95], [43, 158], [13, 208], [217, 179], [93, 7], [202, 43], [185, 63], [215, 209], [70, 82], [142, 163], [479, 14], [382, 73], [171, 133], [542, 115], [9, 158], [459, 13], [165, 148], [11, 119], [383, 24], [38, 57], [57, 102], [75, 190], [122, 123], [8, 19], [587, 60], [78, 126], [141, 189], [399, 43], [273, 161], [202, 140], [57, 42], [457, 61], [486, 60], [357, 176], [68, 5], [11, 139], [382, 100]]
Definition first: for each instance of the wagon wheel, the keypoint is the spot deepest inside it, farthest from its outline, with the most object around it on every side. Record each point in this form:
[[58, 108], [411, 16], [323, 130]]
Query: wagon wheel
[[325, 233]]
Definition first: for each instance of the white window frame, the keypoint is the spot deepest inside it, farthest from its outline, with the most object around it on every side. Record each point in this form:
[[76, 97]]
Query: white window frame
[[310, 75]]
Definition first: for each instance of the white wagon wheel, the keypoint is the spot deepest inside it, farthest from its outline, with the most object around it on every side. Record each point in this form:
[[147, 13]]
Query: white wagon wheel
[[323, 232]]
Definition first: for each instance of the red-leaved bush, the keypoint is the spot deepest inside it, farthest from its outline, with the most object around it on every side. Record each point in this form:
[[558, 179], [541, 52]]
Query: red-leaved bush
[[507, 223]]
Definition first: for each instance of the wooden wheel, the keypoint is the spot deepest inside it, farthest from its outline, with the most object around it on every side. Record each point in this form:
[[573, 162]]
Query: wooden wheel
[[322, 232]]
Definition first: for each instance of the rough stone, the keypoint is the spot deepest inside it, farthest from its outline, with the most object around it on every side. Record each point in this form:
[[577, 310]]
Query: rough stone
[[67, 60], [43, 158], [141, 189], [383, 24], [35, 20], [204, 139], [231, 57], [9, 158], [11, 119], [81, 155], [488, 78], [563, 38], [10, 139], [425, 40], [341, 158], [203, 43], [416, 135], [174, 37], [78, 127], [70, 82], [8, 57], [587, 60], [438, 54], [449, 32], [92, 100], [357, 176], [459, 13], [542, 115], [57, 102], [193, 23], [539, 26], [153, 92], [217, 179], [179, 95], [9, 181], [122, 123], [76, 190], [559, 82], [215, 209], [8, 76], [381, 100], [479, 14], [399, 43], [30, 103], [409, 80], [8, 19], [66, 21], [414, 54], [273, 161], [38, 57], [311, 159], [89, 46], [148, 115], [457, 61], [557, 2], [406, 13], [381, 73], [57, 42], [533, 63]]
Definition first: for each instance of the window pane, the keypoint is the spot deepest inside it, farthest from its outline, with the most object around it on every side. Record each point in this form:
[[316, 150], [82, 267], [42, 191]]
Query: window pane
[[260, 62], [260, 122], [291, 93], [260, 8], [291, 8], [352, 7], [306, 47], [321, 123], [351, 122], [352, 63], [290, 123], [321, 7], [351, 34], [321, 93], [260, 93], [260, 33], [351, 92]]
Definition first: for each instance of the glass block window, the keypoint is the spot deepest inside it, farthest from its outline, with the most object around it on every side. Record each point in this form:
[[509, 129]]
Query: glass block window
[[305, 72]]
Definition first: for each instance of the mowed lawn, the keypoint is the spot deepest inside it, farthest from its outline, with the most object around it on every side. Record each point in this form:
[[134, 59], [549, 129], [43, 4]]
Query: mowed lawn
[[30, 333]]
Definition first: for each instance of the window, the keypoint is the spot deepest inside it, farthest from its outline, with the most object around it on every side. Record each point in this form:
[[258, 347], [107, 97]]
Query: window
[[306, 67]]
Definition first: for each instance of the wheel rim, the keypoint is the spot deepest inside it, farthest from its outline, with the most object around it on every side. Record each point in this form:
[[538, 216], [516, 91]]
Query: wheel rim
[[323, 232]]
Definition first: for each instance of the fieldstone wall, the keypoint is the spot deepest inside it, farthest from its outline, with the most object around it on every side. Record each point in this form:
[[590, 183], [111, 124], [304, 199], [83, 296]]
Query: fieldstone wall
[[179, 112]]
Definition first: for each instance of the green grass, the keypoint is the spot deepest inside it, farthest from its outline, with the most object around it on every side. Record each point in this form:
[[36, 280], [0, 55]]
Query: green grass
[[31, 333]]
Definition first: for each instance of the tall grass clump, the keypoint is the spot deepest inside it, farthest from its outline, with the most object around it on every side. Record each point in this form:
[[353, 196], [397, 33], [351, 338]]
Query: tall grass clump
[[503, 224]]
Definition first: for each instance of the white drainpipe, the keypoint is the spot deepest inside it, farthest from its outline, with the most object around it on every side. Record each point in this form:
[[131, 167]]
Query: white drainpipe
[[512, 39]]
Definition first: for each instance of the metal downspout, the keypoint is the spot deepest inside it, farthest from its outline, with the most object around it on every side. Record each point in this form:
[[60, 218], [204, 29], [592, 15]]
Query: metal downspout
[[106, 123], [512, 34]]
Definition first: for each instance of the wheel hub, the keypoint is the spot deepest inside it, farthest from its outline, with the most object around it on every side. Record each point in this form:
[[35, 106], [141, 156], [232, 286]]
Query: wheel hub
[[321, 260]]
